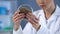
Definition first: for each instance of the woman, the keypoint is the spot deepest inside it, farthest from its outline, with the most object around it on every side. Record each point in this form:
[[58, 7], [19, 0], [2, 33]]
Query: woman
[[44, 21]]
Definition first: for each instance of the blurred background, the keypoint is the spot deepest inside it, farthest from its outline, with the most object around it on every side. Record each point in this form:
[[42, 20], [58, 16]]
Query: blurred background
[[7, 9]]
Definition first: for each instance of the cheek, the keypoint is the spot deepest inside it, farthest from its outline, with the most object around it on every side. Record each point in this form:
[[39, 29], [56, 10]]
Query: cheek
[[37, 1], [42, 2], [47, 1]]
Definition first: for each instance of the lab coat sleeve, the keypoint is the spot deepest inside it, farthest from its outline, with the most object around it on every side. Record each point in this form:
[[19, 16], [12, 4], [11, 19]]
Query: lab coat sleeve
[[58, 32], [19, 31], [42, 31], [58, 27], [28, 29]]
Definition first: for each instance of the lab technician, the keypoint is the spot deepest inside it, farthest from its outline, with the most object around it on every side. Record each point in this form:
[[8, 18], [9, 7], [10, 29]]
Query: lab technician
[[44, 21]]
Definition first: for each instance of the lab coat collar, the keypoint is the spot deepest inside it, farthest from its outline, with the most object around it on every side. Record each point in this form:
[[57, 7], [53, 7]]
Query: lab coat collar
[[43, 22], [57, 11]]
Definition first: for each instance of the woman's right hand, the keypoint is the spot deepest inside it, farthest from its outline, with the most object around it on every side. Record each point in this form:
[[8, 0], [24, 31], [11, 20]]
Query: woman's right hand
[[17, 18]]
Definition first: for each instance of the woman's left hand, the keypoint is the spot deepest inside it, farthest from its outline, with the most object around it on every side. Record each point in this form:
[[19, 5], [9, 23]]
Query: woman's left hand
[[33, 20]]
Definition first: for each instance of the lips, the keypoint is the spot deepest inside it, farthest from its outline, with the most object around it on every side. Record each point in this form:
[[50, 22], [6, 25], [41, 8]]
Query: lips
[[42, 5]]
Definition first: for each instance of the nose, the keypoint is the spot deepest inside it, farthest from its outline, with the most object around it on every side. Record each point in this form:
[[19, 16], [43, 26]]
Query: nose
[[42, 1]]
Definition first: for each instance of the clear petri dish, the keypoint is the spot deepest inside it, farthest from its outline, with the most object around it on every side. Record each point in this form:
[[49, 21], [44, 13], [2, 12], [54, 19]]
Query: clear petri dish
[[25, 8]]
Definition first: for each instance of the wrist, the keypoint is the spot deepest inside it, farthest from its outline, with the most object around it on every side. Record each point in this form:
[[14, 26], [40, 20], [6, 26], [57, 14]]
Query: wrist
[[16, 27], [37, 26]]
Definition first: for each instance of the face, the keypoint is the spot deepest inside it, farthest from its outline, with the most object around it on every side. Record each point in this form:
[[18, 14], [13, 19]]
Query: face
[[44, 3]]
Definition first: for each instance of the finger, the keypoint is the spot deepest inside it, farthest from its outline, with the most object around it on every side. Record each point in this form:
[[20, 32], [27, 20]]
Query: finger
[[17, 22], [32, 18], [17, 12], [18, 18], [36, 25], [28, 18], [18, 15], [31, 21]]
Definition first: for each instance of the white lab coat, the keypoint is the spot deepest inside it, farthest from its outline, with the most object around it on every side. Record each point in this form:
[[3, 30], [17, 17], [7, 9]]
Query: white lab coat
[[50, 26]]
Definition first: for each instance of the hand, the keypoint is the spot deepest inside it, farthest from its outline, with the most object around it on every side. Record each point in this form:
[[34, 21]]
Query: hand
[[33, 20], [17, 17]]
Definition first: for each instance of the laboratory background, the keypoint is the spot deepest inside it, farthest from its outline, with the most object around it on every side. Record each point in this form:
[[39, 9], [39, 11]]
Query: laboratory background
[[7, 9]]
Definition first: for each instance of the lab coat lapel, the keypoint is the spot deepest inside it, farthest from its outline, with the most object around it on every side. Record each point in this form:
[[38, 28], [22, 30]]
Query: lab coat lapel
[[52, 20], [42, 19]]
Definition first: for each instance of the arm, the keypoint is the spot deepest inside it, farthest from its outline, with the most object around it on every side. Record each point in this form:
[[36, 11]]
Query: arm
[[17, 18], [19, 31], [28, 29]]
